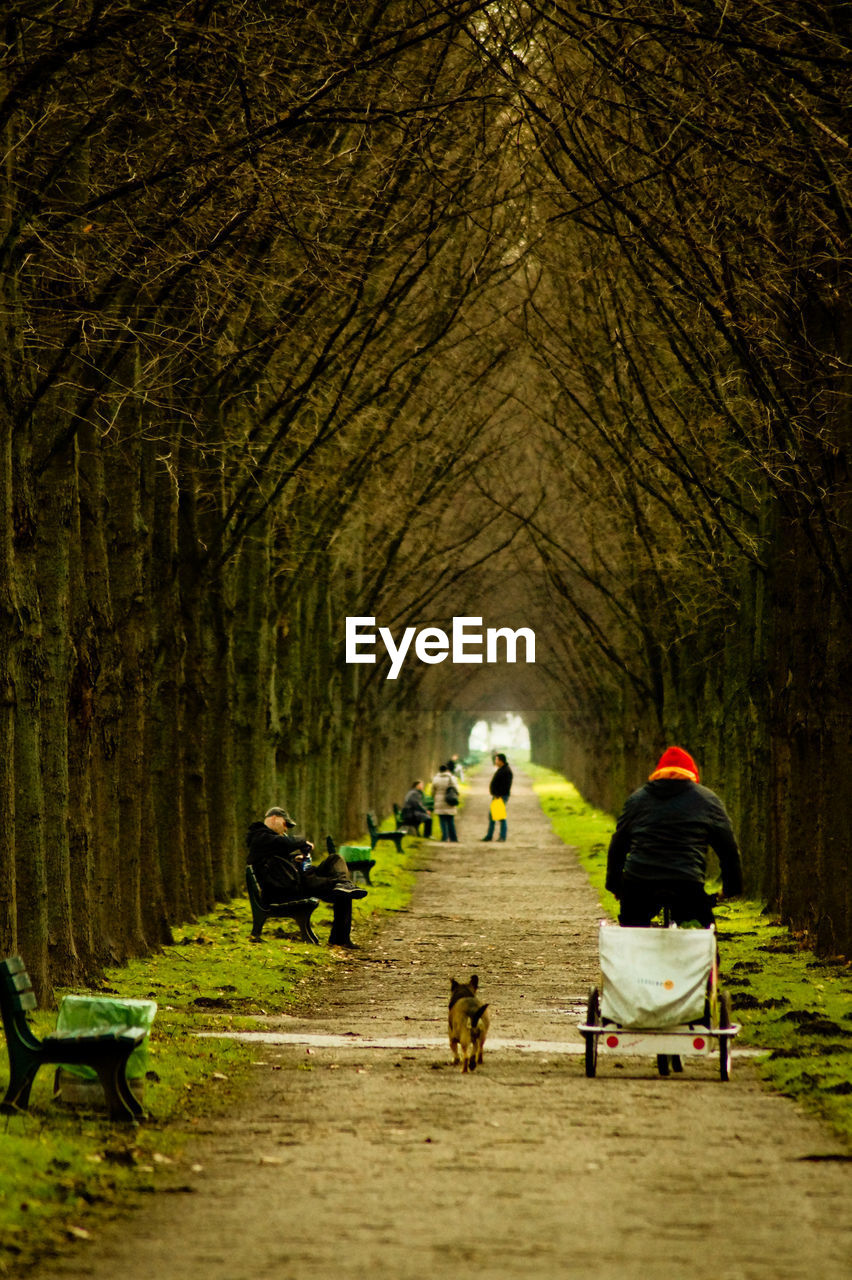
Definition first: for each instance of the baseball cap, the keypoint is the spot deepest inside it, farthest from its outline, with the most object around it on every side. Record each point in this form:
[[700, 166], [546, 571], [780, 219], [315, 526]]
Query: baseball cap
[[275, 812]]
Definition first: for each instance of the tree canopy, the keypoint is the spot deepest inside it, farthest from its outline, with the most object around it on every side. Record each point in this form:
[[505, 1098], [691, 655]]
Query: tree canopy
[[527, 311]]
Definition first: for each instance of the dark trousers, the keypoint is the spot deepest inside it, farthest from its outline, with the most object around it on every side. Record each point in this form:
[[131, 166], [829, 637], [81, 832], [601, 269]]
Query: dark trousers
[[417, 823], [492, 822], [448, 827], [641, 900], [319, 882]]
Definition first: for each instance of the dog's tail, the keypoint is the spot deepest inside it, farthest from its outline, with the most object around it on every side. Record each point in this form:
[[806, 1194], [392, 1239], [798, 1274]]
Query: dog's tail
[[474, 1017]]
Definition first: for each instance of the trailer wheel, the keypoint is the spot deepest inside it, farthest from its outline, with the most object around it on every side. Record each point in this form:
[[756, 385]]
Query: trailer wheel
[[663, 1064], [593, 1019], [724, 1041], [677, 1062]]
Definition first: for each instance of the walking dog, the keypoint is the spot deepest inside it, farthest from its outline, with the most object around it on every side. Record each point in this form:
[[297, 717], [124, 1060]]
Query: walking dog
[[468, 1023]]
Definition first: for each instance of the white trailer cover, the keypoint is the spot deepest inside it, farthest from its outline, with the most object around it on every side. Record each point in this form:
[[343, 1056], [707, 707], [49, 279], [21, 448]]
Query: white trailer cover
[[655, 977]]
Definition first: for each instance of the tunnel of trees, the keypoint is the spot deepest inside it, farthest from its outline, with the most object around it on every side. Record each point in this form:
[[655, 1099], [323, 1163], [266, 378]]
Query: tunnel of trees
[[414, 309]]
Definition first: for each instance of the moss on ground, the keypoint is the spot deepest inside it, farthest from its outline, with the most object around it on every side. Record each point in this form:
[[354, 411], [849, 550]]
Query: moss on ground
[[58, 1160], [795, 1006]]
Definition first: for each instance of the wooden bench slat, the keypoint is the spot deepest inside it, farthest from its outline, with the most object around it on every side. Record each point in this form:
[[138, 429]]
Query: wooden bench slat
[[293, 902]]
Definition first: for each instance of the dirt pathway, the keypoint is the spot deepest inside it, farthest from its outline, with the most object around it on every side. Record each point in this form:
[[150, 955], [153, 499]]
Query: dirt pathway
[[353, 1160]]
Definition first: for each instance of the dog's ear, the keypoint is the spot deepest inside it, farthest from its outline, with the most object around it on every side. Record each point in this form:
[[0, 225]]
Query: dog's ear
[[454, 985], [474, 1017], [474, 981]]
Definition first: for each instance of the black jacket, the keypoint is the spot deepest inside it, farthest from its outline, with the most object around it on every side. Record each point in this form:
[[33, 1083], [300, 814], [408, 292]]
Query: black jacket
[[663, 834], [501, 783], [413, 808], [271, 856]]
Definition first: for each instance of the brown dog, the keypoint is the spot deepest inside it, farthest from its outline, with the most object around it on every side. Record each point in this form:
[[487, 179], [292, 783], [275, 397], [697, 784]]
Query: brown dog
[[468, 1023]]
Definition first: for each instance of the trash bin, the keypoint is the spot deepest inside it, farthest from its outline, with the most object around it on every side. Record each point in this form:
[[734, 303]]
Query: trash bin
[[79, 1085], [359, 861]]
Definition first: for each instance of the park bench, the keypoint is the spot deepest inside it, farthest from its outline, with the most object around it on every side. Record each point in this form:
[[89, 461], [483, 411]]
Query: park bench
[[376, 835], [400, 825], [408, 828], [106, 1050], [300, 910]]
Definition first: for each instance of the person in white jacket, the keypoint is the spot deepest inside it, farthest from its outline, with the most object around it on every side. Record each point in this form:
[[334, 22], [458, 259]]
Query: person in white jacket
[[445, 805]]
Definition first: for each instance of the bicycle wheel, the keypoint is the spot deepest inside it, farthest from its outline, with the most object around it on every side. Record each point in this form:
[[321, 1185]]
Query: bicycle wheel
[[724, 1041], [593, 1019]]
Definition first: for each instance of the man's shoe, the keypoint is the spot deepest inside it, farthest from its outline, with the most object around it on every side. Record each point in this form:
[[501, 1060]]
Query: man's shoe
[[347, 890], [485, 840], [348, 945]]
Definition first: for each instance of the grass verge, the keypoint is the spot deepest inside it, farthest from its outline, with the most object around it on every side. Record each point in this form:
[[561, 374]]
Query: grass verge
[[795, 1006], [57, 1161]]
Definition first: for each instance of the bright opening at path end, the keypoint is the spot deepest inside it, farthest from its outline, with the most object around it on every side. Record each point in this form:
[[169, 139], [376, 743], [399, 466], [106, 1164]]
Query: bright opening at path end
[[509, 733]]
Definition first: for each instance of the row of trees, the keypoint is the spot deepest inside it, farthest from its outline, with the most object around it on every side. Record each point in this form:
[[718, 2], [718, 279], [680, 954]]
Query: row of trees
[[245, 367], [690, 313]]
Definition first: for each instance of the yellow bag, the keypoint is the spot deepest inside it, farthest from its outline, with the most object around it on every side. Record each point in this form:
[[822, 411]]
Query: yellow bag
[[498, 809]]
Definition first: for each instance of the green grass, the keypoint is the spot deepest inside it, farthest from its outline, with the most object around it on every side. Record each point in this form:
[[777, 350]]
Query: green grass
[[790, 1003], [56, 1161]]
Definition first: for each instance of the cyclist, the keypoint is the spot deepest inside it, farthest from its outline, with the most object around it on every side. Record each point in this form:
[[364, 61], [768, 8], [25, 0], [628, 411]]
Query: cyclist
[[658, 852]]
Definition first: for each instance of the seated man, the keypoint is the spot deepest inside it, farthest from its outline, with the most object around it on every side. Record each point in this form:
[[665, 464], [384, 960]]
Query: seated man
[[279, 861], [414, 811], [658, 852]]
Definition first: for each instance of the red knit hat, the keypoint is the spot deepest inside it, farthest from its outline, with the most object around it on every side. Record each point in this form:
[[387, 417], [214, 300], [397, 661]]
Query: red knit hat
[[676, 763]]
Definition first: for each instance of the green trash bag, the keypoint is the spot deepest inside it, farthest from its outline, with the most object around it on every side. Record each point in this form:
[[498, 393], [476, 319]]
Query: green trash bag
[[94, 1013], [355, 853]]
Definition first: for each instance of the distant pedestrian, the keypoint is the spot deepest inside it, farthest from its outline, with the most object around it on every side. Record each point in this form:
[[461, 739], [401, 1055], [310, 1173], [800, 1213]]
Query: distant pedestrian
[[444, 789], [500, 788], [414, 811]]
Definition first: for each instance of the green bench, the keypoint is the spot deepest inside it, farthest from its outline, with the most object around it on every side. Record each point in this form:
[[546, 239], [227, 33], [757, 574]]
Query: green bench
[[358, 861], [300, 910], [400, 825], [376, 835], [106, 1050]]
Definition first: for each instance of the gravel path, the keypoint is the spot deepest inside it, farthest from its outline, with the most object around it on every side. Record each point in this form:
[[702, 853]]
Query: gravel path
[[352, 1159]]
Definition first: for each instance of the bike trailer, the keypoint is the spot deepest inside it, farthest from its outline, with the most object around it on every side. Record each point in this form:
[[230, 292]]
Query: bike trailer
[[659, 995]]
